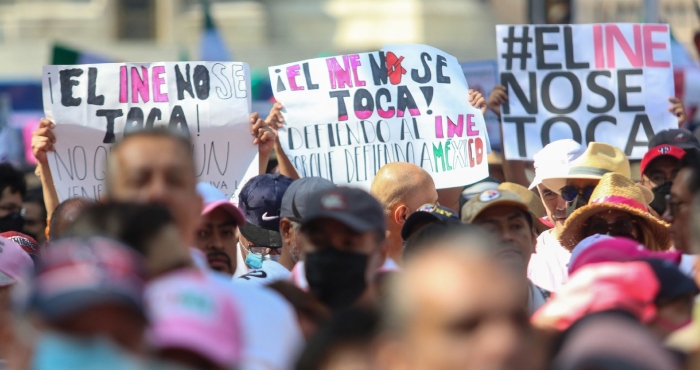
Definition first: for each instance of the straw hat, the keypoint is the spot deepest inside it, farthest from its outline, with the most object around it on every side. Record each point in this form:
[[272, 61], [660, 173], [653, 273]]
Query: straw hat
[[614, 192], [596, 161]]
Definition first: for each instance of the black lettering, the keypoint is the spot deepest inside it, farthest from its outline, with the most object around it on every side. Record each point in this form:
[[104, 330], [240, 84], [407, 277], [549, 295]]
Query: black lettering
[[508, 80], [134, 120], [546, 96], [439, 77], [590, 130], [569, 50], [92, 84], [310, 85], [405, 100], [600, 90], [380, 74], [201, 82], [177, 118], [152, 117], [520, 131], [111, 115], [639, 120], [541, 47], [424, 57], [363, 102], [342, 108], [623, 90], [67, 83], [182, 83], [547, 127]]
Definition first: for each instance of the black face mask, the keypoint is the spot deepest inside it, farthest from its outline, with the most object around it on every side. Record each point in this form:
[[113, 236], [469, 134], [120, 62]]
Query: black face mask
[[12, 222], [660, 193], [335, 277], [575, 204]]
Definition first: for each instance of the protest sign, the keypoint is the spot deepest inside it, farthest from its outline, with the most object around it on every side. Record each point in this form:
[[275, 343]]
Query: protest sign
[[347, 116], [598, 82], [482, 76], [94, 105]]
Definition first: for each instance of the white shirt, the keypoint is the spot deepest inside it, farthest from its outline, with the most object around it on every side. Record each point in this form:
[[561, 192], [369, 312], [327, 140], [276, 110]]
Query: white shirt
[[271, 271], [536, 297], [548, 267]]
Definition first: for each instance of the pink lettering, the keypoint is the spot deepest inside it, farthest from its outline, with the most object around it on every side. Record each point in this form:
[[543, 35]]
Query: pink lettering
[[650, 45], [598, 47], [340, 77], [470, 126], [455, 129], [438, 127], [292, 72], [157, 82], [123, 92], [139, 86], [612, 34], [354, 63]]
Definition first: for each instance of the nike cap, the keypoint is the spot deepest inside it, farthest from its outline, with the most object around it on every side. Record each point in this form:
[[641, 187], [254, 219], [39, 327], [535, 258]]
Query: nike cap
[[260, 201]]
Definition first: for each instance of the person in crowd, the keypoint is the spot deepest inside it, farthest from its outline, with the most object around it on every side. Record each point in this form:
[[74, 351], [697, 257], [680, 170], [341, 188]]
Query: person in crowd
[[149, 229], [617, 207], [78, 284], [474, 189], [344, 231], [510, 214], [15, 265], [311, 314], [547, 266], [678, 210], [217, 234], [64, 214], [678, 137], [346, 342], [294, 208], [426, 215], [25, 241], [480, 323], [35, 217], [654, 291], [260, 201], [192, 322], [401, 188], [13, 188], [658, 168]]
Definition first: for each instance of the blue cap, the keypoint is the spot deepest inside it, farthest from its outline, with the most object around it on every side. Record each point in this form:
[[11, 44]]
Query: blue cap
[[296, 199], [260, 201]]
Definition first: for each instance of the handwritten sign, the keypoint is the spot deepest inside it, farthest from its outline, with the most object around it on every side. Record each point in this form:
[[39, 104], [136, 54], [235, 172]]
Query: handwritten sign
[[94, 105], [349, 115], [597, 82]]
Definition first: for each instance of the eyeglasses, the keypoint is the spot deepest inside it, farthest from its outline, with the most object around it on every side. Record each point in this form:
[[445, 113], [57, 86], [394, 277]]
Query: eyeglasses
[[617, 228], [259, 249], [673, 208], [569, 192]]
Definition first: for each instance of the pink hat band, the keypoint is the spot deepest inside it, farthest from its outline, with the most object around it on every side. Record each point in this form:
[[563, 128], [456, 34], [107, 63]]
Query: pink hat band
[[616, 199]]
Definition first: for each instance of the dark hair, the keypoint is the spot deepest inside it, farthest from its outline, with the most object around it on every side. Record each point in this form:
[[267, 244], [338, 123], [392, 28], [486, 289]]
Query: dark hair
[[436, 232], [65, 214], [35, 195], [12, 178], [691, 160], [132, 224], [354, 327]]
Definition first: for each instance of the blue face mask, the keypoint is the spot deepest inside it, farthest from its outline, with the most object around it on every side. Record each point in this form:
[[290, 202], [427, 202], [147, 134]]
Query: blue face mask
[[58, 352], [254, 260]]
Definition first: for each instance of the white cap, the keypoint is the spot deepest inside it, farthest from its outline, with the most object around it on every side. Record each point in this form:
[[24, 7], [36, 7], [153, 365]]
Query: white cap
[[554, 160]]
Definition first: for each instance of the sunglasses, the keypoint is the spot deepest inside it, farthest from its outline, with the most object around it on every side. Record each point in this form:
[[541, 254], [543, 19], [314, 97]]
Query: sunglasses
[[570, 192], [617, 228]]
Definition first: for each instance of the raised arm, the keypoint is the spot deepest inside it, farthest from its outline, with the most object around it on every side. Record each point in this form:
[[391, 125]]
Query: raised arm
[[43, 139], [275, 121]]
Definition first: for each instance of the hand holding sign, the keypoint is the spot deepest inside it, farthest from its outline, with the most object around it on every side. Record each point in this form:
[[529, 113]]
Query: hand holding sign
[[43, 140]]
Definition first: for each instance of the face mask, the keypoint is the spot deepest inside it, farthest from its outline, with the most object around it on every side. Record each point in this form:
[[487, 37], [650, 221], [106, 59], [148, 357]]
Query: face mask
[[660, 193], [57, 352], [12, 222], [575, 204], [335, 277], [253, 260]]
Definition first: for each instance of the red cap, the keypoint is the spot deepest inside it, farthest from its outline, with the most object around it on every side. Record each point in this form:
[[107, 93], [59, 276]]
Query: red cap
[[658, 151]]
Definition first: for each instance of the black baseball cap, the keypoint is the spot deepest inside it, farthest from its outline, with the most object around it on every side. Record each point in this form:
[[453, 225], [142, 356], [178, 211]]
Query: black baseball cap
[[673, 283], [681, 138], [355, 208], [260, 201], [296, 199], [427, 213]]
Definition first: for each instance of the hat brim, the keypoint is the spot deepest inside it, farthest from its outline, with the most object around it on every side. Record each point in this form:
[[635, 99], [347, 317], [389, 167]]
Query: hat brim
[[556, 184], [228, 207], [357, 225], [59, 307], [261, 236], [536, 222], [574, 225], [180, 335]]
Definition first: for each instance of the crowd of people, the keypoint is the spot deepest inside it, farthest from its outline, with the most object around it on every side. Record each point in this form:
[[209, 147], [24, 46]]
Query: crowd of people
[[581, 267]]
